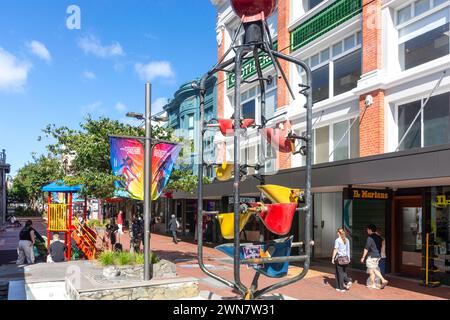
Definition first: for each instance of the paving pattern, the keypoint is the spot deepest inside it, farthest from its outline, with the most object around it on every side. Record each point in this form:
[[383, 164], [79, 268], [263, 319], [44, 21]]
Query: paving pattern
[[319, 283]]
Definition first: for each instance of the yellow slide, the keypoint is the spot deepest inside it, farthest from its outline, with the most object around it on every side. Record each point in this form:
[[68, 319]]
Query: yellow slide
[[279, 194], [225, 171], [226, 221]]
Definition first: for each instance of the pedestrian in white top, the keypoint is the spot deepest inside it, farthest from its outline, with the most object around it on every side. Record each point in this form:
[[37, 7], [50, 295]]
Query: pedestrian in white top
[[341, 260]]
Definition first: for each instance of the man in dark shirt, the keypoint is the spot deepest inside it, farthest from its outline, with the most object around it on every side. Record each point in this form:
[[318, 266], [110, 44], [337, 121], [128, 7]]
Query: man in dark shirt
[[373, 253], [57, 249]]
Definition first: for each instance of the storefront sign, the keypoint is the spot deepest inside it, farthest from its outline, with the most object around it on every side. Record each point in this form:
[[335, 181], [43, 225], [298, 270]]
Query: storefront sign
[[442, 202], [242, 200], [369, 194]]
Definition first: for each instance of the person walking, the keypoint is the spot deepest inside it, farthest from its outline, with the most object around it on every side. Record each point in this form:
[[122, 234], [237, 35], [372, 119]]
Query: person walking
[[120, 218], [173, 226], [27, 238], [341, 259], [373, 253], [382, 263]]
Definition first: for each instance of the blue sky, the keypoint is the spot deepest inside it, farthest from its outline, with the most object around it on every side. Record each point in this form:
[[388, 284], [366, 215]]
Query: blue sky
[[51, 74]]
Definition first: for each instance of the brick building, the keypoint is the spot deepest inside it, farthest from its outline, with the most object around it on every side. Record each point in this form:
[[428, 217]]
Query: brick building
[[374, 63]]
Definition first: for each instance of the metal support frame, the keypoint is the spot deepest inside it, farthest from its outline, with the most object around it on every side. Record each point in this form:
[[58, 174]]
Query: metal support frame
[[242, 52]]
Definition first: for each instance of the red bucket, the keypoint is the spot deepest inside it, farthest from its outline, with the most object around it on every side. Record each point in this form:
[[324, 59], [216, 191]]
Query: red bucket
[[227, 125], [251, 8], [278, 217], [278, 139]]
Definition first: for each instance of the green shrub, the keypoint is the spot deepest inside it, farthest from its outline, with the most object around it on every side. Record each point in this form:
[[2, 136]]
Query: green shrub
[[123, 258], [94, 223], [106, 258], [25, 212], [109, 258], [139, 258]]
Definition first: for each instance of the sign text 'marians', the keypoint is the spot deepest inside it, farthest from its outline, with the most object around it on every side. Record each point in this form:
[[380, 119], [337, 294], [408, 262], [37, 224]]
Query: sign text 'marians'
[[366, 194]]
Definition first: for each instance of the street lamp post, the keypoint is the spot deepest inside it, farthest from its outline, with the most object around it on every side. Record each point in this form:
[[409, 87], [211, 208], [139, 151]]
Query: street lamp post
[[148, 267], [148, 146]]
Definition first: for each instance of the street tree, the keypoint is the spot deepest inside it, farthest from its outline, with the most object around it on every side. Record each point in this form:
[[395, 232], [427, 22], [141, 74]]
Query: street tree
[[33, 176]]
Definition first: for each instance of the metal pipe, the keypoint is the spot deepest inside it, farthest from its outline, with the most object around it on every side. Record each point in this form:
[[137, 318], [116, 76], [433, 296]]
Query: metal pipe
[[237, 168], [148, 267], [200, 212], [275, 260], [308, 194]]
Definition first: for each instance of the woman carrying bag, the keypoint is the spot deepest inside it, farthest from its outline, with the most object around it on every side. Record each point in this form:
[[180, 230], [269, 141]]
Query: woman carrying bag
[[341, 260]]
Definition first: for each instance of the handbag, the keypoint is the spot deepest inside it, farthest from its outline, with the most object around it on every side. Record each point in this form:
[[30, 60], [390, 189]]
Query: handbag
[[343, 261]]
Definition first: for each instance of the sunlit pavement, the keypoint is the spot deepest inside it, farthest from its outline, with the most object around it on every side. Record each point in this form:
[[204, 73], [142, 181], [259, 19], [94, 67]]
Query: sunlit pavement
[[318, 284]]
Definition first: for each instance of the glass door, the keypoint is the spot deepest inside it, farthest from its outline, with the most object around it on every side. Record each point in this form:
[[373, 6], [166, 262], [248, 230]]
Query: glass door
[[410, 214]]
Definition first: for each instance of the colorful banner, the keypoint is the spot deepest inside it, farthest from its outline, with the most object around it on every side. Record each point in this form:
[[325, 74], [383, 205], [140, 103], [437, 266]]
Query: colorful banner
[[127, 161], [163, 161]]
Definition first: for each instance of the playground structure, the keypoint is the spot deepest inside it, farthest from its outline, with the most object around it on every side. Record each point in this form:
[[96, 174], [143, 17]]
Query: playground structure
[[270, 258], [61, 219]]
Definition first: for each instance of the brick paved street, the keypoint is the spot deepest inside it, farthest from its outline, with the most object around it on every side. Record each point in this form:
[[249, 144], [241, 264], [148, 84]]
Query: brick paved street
[[318, 285]]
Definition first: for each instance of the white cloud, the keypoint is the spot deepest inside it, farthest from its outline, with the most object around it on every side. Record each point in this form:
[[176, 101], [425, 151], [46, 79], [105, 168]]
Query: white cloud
[[95, 108], [158, 104], [153, 70], [89, 75], [92, 45], [120, 107], [13, 72], [40, 50]]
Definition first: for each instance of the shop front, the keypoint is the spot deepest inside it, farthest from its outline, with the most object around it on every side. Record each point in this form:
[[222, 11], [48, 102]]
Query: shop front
[[420, 221], [363, 207]]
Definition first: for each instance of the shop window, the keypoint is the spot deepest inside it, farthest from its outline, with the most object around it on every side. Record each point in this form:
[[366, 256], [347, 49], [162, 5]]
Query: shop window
[[309, 4], [346, 139], [424, 40], [322, 145], [321, 84], [354, 140], [251, 100], [248, 109], [435, 119], [406, 114], [432, 126], [421, 6], [347, 72], [345, 58], [440, 232], [341, 141]]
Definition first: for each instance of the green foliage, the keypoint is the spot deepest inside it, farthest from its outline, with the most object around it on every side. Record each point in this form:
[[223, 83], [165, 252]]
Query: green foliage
[[95, 223], [106, 258], [90, 150], [26, 212], [29, 180], [123, 258], [185, 180], [110, 258], [139, 258]]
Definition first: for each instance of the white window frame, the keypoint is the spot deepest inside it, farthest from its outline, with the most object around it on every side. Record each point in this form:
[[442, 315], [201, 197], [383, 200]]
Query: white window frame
[[422, 126], [330, 124], [332, 59]]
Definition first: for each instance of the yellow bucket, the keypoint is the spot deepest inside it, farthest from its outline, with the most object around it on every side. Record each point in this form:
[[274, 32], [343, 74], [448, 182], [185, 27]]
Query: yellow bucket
[[226, 222], [224, 172], [279, 194]]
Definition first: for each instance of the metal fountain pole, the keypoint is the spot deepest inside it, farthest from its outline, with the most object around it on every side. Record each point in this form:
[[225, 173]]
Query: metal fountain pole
[[148, 267]]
